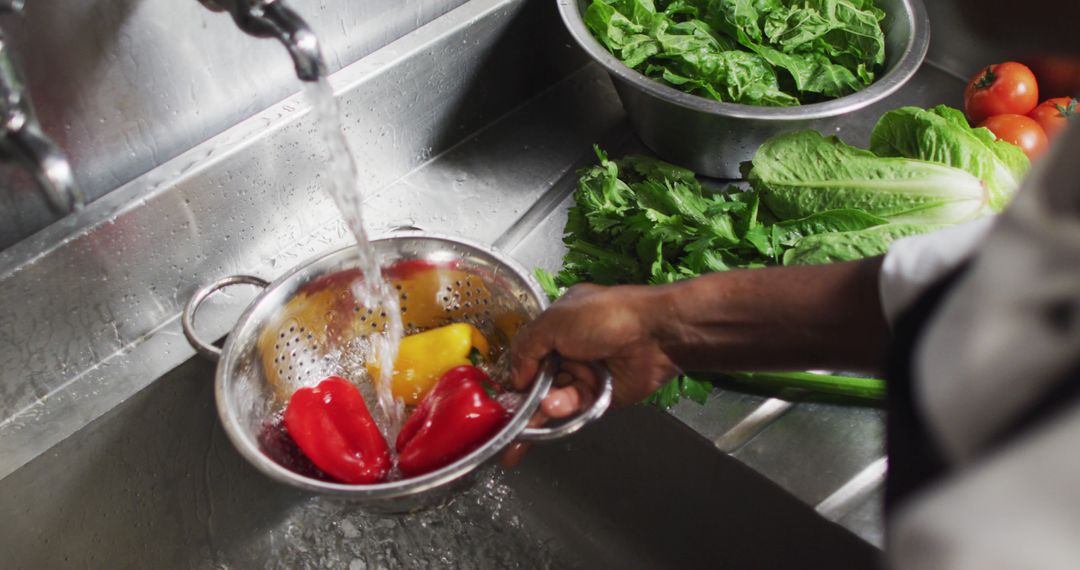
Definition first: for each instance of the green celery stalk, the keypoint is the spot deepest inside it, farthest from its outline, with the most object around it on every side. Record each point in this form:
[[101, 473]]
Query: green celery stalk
[[849, 386]]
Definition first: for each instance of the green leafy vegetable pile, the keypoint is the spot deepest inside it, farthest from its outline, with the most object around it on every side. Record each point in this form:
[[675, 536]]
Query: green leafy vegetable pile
[[812, 199], [755, 52]]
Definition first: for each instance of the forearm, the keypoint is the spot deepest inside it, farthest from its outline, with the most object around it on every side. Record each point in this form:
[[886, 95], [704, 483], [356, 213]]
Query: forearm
[[782, 318]]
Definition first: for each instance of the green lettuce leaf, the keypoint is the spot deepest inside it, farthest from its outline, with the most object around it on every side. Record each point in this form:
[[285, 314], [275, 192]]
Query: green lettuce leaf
[[803, 173], [789, 232], [855, 38], [733, 76], [738, 19], [813, 72], [849, 246]]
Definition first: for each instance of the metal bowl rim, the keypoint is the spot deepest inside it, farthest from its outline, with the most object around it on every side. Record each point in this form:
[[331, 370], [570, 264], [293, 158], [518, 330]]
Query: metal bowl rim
[[393, 489], [915, 49]]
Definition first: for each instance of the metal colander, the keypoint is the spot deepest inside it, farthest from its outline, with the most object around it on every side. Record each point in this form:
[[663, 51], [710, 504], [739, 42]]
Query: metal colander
[[324, 330], [308, 324]]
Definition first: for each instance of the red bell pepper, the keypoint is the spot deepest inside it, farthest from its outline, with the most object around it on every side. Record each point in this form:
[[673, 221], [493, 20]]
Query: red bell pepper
[[455, 418], [332, 426]]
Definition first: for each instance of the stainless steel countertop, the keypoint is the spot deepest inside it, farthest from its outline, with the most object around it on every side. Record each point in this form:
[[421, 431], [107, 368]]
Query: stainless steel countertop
[[455, 136]]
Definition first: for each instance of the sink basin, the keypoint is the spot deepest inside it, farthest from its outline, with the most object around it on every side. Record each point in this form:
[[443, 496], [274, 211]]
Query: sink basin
[[155, 483]]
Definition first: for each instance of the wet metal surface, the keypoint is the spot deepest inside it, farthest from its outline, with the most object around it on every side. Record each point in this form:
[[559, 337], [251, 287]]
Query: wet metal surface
[[814, 449]]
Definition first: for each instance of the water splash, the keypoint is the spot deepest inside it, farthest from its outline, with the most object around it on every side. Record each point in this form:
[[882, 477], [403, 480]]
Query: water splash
[[480, 528], [372, 290]]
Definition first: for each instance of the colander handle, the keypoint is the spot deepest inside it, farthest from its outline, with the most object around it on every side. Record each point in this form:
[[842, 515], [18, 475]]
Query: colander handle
[[600, 405], [187, 320]]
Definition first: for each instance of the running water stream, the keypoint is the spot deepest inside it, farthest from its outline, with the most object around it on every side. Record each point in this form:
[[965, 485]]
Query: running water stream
[[372, 290]]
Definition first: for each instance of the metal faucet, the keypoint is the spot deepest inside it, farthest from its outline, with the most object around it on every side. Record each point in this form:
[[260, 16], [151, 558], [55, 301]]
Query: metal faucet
[[22, 139], [273, 19]]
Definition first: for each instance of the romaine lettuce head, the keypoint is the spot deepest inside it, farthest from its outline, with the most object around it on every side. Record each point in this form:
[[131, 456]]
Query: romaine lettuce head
[[942, 135], [803, 173]]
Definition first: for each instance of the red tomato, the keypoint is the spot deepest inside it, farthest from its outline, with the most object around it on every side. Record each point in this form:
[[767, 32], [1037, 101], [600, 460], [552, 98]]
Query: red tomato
[[1054, 114], [1022, 131], [1005, 88]]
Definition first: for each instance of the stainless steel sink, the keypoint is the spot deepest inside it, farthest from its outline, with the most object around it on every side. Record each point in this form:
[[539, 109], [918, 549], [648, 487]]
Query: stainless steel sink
[[155, 483], [110, 453]]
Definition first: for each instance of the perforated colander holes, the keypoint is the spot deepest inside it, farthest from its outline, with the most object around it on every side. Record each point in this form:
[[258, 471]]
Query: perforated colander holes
[[294, 343], [310, 351], [302, 367]]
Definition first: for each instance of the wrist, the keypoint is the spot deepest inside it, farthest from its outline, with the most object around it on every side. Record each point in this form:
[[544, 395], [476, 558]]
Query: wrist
[[664, 317]]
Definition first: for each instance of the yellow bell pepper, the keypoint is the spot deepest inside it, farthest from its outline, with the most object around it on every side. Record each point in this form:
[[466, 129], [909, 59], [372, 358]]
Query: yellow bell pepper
[[424, 357]]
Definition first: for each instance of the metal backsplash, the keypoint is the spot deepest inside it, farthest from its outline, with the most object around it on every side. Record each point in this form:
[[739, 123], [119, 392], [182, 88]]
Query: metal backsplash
[[954, 47], [125, 85]]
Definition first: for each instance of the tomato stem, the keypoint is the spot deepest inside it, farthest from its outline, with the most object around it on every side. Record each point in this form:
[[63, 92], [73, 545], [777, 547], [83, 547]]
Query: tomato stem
[[1067, 111], [986, 79]]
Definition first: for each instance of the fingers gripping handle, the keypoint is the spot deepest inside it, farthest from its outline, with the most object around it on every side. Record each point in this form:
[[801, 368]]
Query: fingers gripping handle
[[187, 320], [597, 409]]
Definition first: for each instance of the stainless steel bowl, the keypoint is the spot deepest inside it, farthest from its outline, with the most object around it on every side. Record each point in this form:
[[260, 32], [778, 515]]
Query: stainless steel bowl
[[303, 327], [712, 138]]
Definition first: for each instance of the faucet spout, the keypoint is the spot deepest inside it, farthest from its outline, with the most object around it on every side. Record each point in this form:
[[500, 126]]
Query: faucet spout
[[273, 19], [22, 140], [48, 164]]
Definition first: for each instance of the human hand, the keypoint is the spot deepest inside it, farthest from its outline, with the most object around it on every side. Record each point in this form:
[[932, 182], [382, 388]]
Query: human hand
[[617, 327]]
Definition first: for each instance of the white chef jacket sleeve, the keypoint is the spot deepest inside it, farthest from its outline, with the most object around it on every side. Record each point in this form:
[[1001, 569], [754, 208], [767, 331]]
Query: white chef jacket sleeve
[[996, 377], [915, 263]]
